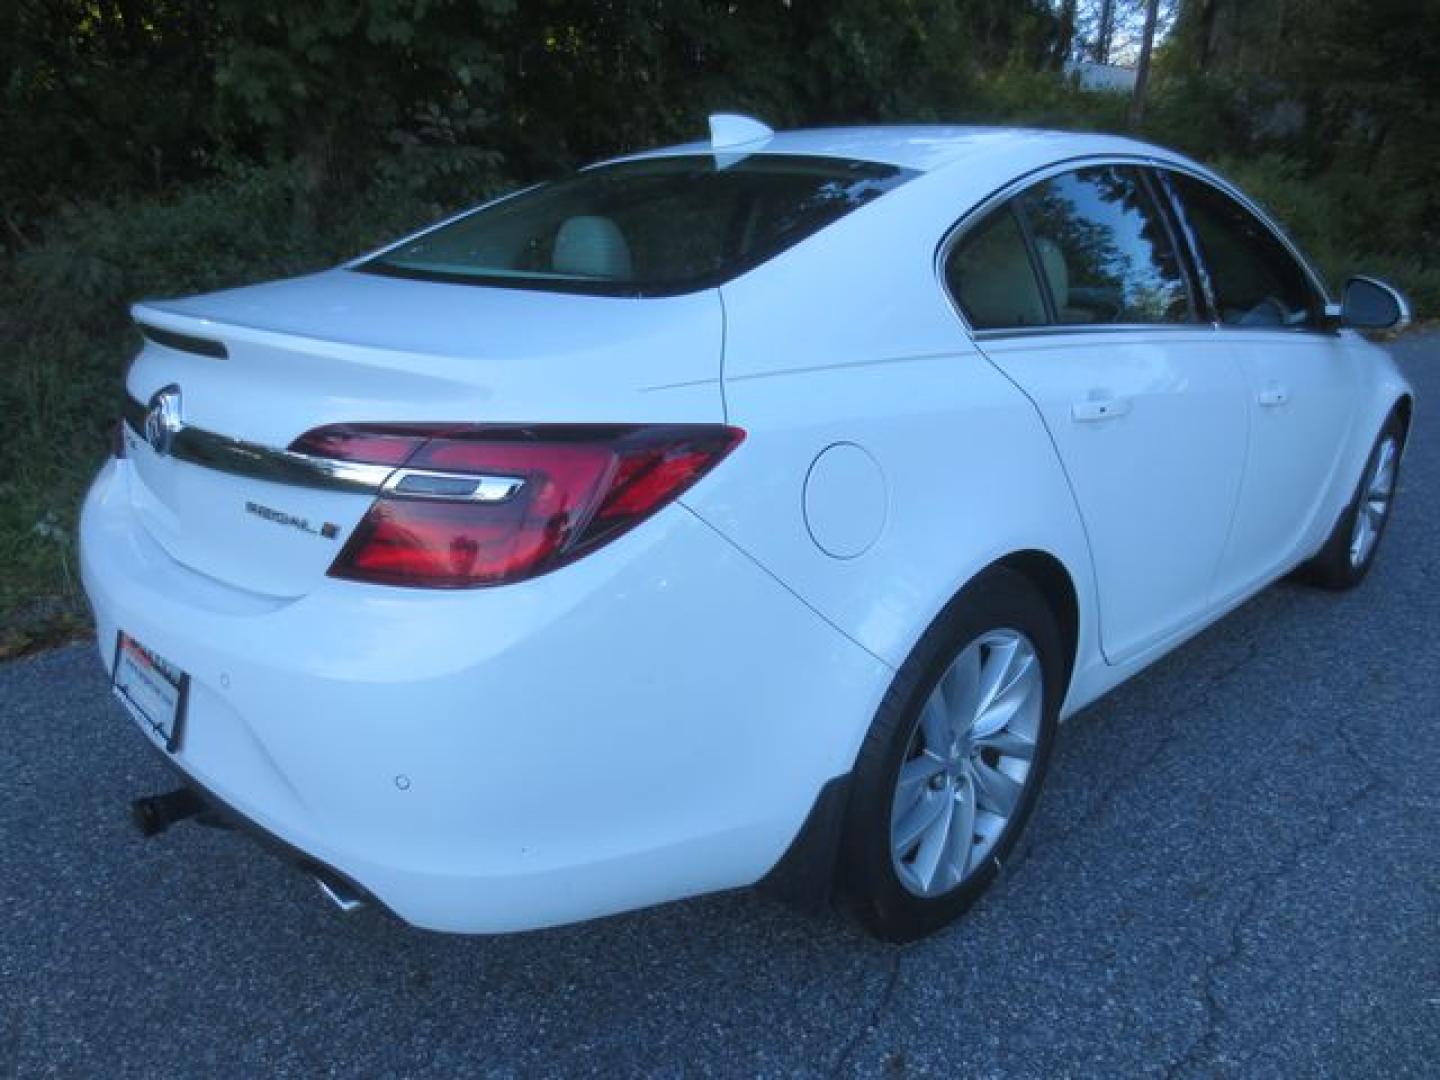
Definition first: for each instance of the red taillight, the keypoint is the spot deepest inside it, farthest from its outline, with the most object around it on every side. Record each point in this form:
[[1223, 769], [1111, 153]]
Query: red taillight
[[379, 444], [548, 494]]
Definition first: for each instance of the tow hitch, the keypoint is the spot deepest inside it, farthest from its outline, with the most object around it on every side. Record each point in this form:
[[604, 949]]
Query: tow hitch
[[153, 814]]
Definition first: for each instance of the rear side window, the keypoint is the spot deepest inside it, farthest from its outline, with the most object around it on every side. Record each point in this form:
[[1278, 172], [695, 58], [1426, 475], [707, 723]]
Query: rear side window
[[1255, 280], [653, 227], [991, 275], [1105, 249]]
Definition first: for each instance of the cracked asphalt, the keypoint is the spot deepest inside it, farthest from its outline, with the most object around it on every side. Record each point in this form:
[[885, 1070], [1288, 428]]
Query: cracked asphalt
[[1235, 871]]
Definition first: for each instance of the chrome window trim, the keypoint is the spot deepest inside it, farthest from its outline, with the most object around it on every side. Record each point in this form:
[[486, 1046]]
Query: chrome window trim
[[1197, 282], [237, 457], [1200, 327], [1260, 215], [1000, 196], [1161, 183]]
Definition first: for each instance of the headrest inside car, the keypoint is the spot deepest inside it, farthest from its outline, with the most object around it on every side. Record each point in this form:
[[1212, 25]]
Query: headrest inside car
[[591, 246]]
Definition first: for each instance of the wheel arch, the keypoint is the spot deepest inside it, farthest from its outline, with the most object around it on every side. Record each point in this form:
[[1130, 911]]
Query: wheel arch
[[1049, 575], [1403, 408], [804, 877]]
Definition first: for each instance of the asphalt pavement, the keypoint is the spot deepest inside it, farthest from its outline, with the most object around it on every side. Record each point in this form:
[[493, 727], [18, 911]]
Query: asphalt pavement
[[1235, 871]]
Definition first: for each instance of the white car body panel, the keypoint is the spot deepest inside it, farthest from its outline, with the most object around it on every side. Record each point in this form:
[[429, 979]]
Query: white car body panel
[[1301, 391], [940, 486], [348, 347], [1151, 428], [656, 719], [552, 769]]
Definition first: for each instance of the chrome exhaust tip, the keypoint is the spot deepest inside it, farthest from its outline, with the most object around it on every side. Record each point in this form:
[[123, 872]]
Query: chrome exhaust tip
[[341, 895]]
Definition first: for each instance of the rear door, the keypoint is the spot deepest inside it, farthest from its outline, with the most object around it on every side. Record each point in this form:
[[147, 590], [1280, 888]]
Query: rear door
[[1300, 379], [1076, 289]]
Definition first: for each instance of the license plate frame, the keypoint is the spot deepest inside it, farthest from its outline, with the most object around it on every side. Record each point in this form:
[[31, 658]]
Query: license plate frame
[[152, 689]]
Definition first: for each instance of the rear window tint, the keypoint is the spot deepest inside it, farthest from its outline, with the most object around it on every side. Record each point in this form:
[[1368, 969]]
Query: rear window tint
[[1106, 252], [657, 226], [990, 273]]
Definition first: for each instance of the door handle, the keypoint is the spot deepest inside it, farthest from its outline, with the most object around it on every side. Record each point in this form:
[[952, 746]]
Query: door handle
[[1093, 410], [1274, 395]]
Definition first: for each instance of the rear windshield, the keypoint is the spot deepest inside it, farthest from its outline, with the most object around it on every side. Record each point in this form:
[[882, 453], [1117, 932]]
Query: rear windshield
[[653, 227]]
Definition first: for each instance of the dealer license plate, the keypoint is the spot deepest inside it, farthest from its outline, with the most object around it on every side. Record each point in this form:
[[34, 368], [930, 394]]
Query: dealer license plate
[[151, 688]]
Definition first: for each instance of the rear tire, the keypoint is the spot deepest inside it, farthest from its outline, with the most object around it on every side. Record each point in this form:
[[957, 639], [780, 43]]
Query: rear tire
[[1350, 550], [951, 768]]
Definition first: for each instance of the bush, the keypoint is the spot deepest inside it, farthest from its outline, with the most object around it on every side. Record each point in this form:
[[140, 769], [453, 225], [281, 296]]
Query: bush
[[67, 338], [1338, 222], [63, 301], [1019, 95]]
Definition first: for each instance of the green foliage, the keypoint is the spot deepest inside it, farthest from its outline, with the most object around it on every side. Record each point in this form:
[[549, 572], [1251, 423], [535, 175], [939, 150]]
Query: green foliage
[[1017, 94], [1337, 220], [99, 99], [66, 339], [163, 147], [1333, 105]]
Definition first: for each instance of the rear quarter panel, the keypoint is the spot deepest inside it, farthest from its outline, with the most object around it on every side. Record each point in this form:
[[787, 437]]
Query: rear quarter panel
[[853, 341]]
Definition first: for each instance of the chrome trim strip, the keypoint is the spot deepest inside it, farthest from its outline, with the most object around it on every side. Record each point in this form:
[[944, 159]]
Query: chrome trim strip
[[998, 333], [1204, 283], [1017, 185], [1276, 229], [467, 487], [240, 458], [980, 210]]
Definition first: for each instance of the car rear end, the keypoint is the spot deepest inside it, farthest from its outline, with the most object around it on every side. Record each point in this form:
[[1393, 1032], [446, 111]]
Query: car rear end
[[400, 571]]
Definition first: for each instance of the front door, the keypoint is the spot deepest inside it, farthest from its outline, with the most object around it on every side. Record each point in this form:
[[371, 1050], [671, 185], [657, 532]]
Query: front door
[[1300, 381]]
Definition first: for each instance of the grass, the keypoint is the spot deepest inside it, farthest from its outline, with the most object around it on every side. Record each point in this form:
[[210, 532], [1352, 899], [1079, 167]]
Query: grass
[[57, 393]]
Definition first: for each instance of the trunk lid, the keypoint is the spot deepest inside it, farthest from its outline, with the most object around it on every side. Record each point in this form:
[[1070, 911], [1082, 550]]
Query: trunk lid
[[348, 347]]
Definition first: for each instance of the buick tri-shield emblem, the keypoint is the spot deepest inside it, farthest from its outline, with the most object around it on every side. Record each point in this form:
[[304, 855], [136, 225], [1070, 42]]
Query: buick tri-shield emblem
[[162, 419]]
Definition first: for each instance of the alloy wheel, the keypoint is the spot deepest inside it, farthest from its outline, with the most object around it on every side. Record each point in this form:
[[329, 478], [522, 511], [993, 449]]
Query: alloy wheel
[[967, 764], [1375, 499]]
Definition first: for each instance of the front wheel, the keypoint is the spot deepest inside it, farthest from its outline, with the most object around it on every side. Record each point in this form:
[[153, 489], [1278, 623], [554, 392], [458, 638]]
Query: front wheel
[[951, 768], [1350, 550]]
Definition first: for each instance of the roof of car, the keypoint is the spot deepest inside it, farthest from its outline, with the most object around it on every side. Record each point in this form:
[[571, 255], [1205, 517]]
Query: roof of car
[[920, 147]]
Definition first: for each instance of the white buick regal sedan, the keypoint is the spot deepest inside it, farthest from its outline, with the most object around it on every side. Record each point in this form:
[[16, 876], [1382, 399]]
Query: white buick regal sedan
[[741, 512]]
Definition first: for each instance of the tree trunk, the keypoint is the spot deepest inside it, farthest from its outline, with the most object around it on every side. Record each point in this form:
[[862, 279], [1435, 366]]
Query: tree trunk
[[1282, 26], [1206, 33], [1066, 37], [314, 158], [1104, 31], [1142, 71]]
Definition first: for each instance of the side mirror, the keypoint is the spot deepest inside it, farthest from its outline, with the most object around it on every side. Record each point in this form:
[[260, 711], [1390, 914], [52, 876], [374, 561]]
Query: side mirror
[[1370, 304]]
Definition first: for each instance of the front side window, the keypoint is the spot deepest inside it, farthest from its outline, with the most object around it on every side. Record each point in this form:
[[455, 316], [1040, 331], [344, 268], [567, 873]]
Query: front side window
[[1105, 249], [653, 227], [1255, 279]]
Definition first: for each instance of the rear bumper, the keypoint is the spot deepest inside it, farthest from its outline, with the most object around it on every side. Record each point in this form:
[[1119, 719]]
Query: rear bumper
[[652, 722], [216, 812]]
